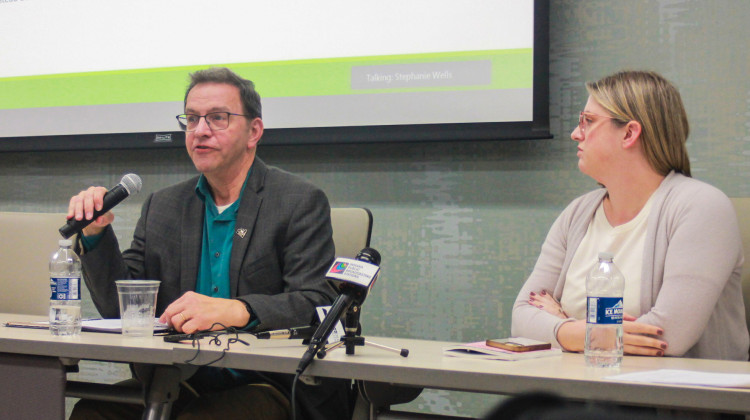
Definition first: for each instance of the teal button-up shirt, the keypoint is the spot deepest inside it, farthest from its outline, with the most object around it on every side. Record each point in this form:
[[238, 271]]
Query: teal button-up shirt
[[216, 249]]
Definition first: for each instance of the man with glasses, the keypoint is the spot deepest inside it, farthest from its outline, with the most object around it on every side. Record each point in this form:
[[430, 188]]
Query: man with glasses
[[242, 245]]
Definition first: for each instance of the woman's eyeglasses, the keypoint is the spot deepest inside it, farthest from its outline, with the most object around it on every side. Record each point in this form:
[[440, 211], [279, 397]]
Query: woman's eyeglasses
[[584, 116]]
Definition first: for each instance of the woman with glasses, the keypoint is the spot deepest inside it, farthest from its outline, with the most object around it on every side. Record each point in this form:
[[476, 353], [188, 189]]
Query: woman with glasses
[[675, 239]]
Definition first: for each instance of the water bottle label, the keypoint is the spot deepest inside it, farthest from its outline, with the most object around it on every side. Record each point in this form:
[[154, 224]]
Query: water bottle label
[[604, 310], [66, 288]]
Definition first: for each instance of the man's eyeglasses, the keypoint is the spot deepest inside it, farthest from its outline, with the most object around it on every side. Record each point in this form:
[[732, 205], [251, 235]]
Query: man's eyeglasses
[[215, 120], [583, 123]]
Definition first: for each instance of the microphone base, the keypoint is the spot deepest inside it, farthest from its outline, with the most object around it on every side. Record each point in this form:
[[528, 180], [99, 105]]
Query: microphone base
[[351, 342]]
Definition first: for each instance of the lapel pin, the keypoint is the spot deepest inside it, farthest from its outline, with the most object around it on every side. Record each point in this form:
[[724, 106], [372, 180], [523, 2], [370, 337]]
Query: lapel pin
[[241, 232]]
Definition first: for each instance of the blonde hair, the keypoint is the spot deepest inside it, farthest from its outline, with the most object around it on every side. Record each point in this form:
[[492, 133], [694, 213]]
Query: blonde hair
[[650, 99]]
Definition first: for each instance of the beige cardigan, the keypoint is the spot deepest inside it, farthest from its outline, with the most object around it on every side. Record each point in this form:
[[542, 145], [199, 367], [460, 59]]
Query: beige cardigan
[[690, 284]]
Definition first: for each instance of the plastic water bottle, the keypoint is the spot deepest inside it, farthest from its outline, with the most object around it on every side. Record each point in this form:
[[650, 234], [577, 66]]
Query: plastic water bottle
[[604, 288], [65, 283]]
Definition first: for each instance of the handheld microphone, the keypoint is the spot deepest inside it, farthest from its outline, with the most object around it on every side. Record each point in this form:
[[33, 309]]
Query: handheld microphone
[[290, 334], [130, 184], [353, 278]]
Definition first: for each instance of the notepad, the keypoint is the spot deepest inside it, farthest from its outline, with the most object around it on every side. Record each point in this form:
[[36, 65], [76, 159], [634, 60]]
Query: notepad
[[90, 325], [115, 325]]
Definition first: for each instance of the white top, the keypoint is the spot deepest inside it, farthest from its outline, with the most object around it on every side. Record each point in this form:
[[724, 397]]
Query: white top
[[625, 243], [220, 209]]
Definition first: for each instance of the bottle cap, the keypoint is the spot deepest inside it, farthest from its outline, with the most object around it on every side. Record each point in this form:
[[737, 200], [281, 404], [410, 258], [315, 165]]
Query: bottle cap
[[606, 255], [65, 242]]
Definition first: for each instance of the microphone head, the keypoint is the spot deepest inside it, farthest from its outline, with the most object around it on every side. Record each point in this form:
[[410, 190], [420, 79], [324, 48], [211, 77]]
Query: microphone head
[[355, 276], [132, 183], [369, 255]]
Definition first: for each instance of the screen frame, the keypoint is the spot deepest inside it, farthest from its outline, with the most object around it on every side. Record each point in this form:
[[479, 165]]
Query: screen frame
[[538, 128]]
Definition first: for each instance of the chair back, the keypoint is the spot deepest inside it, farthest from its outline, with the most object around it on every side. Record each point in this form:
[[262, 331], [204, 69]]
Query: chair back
[[742, 208], [28, 241], [352, 228]]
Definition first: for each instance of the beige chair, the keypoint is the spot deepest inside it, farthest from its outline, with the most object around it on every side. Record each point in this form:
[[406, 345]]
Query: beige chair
[[28, 241], [742, 207], [352, 228]]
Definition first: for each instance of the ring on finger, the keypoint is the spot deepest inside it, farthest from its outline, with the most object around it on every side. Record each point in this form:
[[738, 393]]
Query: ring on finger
[[184, 320]]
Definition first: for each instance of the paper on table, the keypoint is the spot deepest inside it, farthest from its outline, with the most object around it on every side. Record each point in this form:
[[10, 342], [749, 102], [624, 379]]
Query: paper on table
[[686, 377]]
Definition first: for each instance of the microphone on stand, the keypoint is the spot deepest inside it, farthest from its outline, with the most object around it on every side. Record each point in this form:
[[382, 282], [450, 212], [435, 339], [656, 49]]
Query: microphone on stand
[[353, 278], [130, 184]]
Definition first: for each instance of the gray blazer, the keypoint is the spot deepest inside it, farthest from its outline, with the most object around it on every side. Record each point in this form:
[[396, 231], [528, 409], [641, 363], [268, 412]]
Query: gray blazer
[[278, 266]]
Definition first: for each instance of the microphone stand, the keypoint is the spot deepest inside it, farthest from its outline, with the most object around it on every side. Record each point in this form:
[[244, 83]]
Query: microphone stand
[[352, 337]]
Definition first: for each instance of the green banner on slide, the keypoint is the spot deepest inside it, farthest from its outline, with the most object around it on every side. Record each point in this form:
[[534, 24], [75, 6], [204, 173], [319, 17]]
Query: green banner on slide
[[320, 77]]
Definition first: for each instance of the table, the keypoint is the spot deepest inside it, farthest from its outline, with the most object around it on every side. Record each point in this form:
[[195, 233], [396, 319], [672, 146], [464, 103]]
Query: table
[[426, 367], [32, 362]]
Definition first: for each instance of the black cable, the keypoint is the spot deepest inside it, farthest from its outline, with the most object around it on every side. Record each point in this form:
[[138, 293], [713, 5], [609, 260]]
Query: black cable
[[215, 339], [294, 395]]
